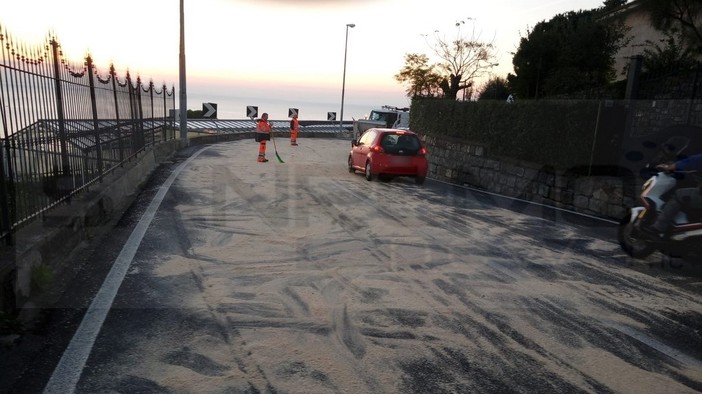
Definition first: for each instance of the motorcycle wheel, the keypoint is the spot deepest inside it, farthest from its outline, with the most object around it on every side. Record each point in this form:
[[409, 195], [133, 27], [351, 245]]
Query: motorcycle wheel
[[631, 242]]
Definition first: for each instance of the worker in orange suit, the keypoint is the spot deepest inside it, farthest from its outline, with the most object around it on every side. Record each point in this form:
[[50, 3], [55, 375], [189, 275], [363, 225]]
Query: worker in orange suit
[[263, 134], [294, 129]]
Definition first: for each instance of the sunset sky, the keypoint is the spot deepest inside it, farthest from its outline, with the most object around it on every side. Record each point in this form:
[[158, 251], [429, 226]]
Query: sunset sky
[[280, 47]]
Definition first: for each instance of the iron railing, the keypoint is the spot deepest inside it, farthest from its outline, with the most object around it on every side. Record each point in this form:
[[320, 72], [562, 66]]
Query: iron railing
[[64, 126]]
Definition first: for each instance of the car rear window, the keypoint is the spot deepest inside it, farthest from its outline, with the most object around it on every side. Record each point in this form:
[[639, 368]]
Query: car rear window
[[367, 137], [400, 143]]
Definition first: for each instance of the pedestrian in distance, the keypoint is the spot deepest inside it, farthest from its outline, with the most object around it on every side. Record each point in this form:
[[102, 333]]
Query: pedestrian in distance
[[294, 129], [263, 134]]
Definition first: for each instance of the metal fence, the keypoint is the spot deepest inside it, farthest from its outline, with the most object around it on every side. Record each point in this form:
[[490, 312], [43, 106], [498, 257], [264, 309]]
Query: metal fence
[[65, 125]]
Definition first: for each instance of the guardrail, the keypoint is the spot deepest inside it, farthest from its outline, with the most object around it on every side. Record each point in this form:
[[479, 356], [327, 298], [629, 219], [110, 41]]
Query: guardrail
[[212, 126]]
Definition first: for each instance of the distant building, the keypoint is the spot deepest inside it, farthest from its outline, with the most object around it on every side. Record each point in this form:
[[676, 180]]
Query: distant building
[[641, 32]]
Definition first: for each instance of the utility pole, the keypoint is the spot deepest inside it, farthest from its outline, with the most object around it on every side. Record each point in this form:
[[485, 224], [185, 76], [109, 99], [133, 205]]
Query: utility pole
[[343, 83], [183, 95]]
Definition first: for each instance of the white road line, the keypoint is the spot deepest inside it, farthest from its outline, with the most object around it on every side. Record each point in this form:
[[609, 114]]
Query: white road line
[[688, 361], [67, 373]]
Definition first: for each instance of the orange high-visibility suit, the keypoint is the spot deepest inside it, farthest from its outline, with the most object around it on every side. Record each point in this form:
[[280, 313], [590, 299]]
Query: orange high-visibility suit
[[263, 127], [294, 129]]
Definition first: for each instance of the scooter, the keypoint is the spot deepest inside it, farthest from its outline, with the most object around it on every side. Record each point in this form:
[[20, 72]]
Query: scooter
[[685, 236]]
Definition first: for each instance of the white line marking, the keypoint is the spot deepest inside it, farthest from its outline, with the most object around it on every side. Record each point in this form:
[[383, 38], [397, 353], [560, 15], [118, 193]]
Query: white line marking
[[67, 373], [671, 352]]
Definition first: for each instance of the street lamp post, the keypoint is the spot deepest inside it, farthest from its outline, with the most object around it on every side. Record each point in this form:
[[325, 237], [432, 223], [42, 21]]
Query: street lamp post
[[343, 83], [181, 72]]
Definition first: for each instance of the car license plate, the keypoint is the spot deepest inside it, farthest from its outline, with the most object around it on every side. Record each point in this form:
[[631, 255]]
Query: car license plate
[[400, 161]]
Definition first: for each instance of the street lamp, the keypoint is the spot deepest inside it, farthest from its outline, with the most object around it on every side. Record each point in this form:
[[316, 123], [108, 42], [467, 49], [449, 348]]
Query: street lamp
[[343, 83], [181, 72]]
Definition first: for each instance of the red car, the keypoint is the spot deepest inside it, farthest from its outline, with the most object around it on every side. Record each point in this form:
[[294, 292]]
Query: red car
[[387, 153]]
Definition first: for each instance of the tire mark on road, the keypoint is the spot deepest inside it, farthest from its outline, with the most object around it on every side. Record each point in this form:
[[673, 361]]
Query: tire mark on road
[[497, 329], [349, 334], [460, 252], [199, 363]]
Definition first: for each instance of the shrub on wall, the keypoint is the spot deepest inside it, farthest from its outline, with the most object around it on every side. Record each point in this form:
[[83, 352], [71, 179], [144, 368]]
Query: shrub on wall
[[555, 133]]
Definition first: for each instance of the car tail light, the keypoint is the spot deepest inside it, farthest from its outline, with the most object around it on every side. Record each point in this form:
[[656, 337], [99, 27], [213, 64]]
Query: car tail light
[[377, 148], [423, 151]]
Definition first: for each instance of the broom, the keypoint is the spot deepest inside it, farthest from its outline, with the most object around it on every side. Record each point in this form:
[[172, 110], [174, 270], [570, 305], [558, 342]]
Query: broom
[[277, 156]]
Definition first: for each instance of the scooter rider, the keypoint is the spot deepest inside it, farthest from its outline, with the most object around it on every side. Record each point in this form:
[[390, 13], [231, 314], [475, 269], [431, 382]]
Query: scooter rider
[[686, 199]]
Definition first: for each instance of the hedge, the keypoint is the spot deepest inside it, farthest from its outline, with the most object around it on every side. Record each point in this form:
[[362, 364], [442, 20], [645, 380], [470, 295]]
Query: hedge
[[559, 133]]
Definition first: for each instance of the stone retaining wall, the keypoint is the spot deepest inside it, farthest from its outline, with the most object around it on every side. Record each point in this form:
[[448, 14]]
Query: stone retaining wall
[[470, 164], [650, 116]]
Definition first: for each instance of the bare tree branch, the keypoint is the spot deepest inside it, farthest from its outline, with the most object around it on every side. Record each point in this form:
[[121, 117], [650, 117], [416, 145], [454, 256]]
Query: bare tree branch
[[463, 60]]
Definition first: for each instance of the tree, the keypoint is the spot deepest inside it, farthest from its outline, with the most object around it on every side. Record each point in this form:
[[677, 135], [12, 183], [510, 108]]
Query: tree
[[672, 55], [460, 62], [194, 114], [422, 79], [610, 5], [571, 52], [683, 17], [495, 89]]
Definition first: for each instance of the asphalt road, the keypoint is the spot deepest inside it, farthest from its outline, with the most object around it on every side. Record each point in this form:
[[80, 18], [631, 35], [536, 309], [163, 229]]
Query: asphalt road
[[233, 276]]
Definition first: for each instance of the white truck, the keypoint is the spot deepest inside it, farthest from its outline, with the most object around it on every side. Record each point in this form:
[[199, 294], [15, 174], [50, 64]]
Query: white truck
[[386, 117]]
